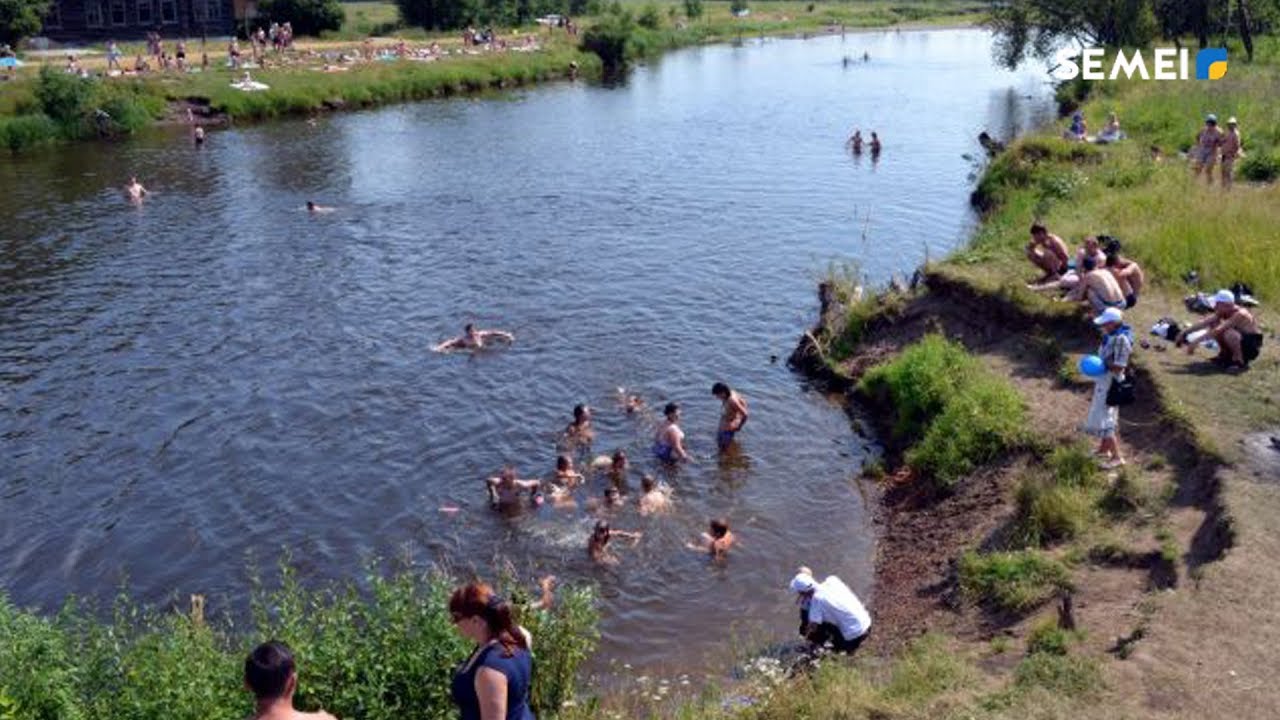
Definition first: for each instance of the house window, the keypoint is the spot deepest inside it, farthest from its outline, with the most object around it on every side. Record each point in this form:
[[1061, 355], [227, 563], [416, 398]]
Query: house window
[[146, 13], [118, 14], [198, 10], [169, 11], [54, 18], [93, 13], [215, 9]]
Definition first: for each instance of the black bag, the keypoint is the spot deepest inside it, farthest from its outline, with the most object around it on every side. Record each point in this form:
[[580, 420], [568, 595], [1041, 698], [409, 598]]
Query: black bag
[[1123, 391]]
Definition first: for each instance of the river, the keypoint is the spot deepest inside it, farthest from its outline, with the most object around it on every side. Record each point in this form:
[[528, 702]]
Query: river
[[218, 374]]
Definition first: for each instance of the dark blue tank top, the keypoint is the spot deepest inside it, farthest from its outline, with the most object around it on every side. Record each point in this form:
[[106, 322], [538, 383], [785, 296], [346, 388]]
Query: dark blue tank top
[[518, 670]]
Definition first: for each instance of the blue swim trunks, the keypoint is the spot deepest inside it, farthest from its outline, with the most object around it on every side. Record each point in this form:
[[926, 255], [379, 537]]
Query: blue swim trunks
[[664, 452], [724, 437]]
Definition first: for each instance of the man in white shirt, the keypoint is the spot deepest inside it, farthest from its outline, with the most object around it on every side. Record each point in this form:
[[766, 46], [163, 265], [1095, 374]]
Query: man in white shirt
[[830, 611]]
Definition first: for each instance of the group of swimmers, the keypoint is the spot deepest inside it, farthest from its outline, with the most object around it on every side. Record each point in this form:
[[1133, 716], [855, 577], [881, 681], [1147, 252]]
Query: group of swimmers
[[855, 143]]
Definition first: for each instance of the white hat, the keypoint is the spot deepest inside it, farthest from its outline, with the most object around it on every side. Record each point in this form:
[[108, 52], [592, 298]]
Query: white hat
[[1232, 120], [802, 582], [1222, 296], [1110, 315]]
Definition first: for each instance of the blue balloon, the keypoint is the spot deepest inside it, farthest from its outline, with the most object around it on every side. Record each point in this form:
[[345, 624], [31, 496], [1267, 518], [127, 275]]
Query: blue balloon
[[1092, 366]]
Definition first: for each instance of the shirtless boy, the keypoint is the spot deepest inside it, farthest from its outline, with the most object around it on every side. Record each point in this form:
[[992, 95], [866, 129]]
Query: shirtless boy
[[473, 339], [733, 414]]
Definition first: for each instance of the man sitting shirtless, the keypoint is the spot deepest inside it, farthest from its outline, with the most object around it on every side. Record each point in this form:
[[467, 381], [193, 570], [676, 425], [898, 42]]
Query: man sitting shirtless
[[1233, 327], [473, 339]]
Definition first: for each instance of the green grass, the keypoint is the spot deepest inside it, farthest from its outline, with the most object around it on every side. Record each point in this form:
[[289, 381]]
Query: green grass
[[1011, 581], [387, 651], [955, 414]]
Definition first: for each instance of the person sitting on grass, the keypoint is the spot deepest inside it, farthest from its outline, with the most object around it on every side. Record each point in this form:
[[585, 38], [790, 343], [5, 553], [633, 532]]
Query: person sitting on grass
[[1233, 327], [1126, 272], [1078, 130], [1111, 132], [1097, 287], [1049, 253], [271, 675], [830, 612]]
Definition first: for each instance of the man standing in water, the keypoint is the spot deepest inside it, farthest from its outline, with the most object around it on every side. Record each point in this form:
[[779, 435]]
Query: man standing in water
[[134, 190], [733, 414], [473, 339]]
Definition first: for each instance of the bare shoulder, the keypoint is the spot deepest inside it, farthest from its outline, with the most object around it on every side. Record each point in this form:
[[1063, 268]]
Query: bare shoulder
[[321, 715]]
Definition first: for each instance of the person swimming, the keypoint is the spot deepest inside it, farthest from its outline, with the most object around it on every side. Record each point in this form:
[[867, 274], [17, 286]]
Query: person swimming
[[472, 339], [855, 142], [313, 208], [598, 545], [579, 431], [611, 500], [506, 488], [197, 134], [716, 542], [134, 190], [654, 498], [668, 443], [566, 475], [875, 143]]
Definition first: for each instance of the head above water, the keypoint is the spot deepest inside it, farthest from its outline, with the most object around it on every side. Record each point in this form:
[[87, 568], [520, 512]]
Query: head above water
[[719, 527], [672, 411], [720, 390], [648, 483], [611, 494], [581, 414], [564, 463], [269, 671], [619, 460], [311, 205], [469, 329]]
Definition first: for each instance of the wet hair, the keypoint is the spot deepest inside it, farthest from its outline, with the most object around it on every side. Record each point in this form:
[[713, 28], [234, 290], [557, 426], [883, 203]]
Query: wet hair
[[579, 412], [1037, 229], [602, 527], [648, 482], [267, 670], [619, 456], [719, 527], [611, 492], [468, 327], [720, 390], [563, 462], [477, 599], [311, 205], [671, 409], [1090, 262]]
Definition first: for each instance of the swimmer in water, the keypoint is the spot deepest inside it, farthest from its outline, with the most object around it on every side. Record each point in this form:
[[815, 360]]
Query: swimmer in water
[[612, 500], [716, 542], [316, 209], [855, 142], [566, 475], [473, 339], [733, 413], [134, 190], [197, 134], [875, 143], [654, 498], [668, 442], [560, 497], [618, 467], [598, 545], [506, 488], [579, 431]]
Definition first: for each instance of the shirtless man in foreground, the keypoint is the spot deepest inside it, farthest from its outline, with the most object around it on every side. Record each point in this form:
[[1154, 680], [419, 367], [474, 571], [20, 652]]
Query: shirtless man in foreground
[[1097, 287], [1233, 327], [733, 416], [272, 677], [1047, 252], [473, 339]]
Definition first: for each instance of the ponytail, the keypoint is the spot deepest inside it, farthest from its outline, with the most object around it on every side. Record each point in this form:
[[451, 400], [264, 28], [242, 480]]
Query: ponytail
[[479, 600]]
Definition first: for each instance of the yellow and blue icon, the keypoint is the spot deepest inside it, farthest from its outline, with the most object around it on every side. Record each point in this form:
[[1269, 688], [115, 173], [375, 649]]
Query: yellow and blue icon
[[1211, 63]]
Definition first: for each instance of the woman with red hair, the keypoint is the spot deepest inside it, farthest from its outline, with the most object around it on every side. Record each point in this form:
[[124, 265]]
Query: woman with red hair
[[494, 683]]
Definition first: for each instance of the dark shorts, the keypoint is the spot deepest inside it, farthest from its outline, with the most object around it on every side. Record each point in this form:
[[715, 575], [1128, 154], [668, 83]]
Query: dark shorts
[[827, 632], [1250, 346], [1130, 300], [724, 438]]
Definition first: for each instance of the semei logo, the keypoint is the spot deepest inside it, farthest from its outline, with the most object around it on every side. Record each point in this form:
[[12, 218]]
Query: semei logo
[[1167, 64]]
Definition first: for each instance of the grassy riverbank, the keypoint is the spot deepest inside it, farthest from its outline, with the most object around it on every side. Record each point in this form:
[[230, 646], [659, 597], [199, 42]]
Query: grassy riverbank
[[30, 116], [385, 651]]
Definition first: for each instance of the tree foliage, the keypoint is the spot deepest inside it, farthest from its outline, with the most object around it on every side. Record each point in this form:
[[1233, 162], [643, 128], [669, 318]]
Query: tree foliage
[[307, 17], [455, 14], [21, 19], [1035, 28]]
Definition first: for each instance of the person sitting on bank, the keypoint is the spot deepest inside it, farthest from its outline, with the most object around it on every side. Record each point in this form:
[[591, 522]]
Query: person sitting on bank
[[494, 683], [506, 488], [830, 612], [1078, 130], [1097, 287], [473, 339], [733, 413], [1111, 132], [717, 541], [668, 442], [1233, 327], [271, 675], [1128, 274], [1049, 253]]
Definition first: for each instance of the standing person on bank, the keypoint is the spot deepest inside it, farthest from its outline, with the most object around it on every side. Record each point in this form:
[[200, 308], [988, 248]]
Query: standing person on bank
[[494, 683], [1103, 421]]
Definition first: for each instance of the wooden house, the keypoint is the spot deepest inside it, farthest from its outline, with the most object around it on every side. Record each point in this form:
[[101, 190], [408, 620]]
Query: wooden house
[[99, 20]]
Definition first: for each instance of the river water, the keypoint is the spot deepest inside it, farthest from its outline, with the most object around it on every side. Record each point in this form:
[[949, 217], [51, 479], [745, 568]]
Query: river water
[[218, 374]]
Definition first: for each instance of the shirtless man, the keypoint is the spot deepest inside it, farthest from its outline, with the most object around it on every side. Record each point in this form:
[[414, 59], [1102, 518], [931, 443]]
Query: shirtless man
[[1128, 274], [473, 339], [598, 545], [875, 143], [1097, 287], [855, 142], [272, 677], [654, 498], [733, 416], [134, 190], [505, 489], [1233, 327], [1092, 248], [579, 431], [566, 475], [1047, 252], [1208, 142], [668, 442], [716, 542], [1232, 148]]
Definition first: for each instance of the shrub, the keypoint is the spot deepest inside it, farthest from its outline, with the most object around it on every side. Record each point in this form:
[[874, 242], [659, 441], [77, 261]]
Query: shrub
[[307, 17], [1074, 465], [1047, 637], [609, 39], [24, 131], [737, 6], [1012, 581], [693, 9], [1261, 167], [1046, 511], [919, 382], [67, 99], [1073, 675], [650, 17]]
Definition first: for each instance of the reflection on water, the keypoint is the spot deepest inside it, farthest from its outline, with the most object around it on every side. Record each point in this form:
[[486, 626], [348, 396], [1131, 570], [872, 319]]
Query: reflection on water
[[219, 373]]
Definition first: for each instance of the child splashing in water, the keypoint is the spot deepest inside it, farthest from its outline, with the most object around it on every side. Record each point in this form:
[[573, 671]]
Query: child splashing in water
[[716, 542], [598, 545]]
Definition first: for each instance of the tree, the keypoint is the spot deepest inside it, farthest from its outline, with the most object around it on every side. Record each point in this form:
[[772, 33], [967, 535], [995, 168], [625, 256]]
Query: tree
[[1035, 28], [693, 9], [21, 19], [306, 17], [439, 14]]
